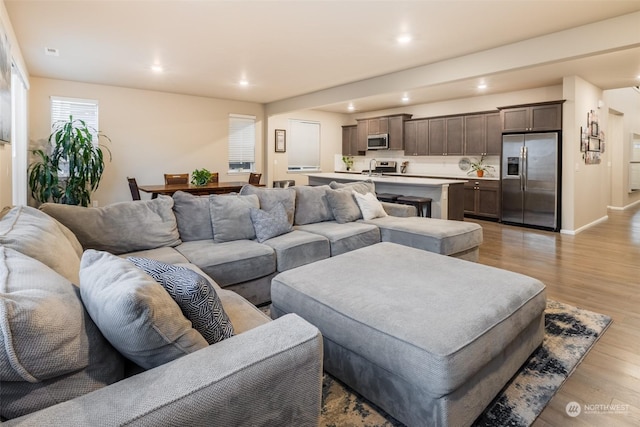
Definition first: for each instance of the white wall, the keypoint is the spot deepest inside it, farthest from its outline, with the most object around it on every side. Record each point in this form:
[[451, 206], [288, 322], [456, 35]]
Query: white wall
[[626, 103], [330, 143], [6, 155], [152, 133], [586, 189]]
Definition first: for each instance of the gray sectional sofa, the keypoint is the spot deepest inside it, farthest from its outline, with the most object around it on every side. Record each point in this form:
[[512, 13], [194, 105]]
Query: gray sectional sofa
[[274, 374]]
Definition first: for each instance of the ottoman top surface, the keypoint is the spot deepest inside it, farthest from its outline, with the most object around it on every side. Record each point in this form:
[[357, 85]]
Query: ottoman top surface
[[448, 313]]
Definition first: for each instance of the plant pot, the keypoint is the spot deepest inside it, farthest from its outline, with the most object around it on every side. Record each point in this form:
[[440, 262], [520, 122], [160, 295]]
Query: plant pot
[[480, 173]]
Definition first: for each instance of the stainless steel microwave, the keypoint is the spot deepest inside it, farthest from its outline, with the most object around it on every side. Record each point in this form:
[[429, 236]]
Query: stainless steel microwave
[[378, 142]]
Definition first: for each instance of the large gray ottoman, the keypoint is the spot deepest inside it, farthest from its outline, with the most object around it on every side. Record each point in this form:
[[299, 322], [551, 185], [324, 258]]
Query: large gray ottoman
[[429, 338]]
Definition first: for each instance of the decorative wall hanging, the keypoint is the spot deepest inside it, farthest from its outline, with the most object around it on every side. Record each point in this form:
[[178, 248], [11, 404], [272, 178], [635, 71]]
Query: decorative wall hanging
[[592, 140]]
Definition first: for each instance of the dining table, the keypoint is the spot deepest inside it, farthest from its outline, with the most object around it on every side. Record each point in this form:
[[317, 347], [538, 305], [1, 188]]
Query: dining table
[[210, 188]]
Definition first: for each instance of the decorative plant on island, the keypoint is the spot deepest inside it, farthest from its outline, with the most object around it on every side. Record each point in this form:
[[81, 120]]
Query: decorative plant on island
[[200, 177], [479, 167], [348, 162], [73, 169]]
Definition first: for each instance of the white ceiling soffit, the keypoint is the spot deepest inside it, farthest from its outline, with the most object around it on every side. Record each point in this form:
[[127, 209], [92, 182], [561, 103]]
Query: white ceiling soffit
[[291, 51]]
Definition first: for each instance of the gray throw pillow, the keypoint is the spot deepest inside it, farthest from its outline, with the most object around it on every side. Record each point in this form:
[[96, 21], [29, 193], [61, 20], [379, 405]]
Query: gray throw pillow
[[343, 205], [50, 349], [312, 205], [121, 227], [194, 294], [231, 218], [271, 223], [193, 216], [134, 312], [36, 234], [270, 197], [362, 187]]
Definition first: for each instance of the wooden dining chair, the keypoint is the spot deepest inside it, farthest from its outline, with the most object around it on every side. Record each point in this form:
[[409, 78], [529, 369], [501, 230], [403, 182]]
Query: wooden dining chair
[[214, 177], [176, 178], [133, 187], [254, 178]]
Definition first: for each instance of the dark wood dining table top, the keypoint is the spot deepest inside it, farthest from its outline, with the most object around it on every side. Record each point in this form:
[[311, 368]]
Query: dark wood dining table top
[[211, 188]]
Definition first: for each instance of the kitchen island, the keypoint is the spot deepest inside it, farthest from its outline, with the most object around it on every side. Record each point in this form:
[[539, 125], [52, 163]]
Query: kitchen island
[[447, 195]]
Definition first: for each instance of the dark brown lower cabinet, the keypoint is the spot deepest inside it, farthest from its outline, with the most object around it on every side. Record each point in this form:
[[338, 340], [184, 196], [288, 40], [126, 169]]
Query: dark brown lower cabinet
[[482, 198]]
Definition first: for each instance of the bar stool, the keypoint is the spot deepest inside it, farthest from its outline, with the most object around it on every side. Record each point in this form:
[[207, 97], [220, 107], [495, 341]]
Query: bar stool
[[418, 202], [388, 197]]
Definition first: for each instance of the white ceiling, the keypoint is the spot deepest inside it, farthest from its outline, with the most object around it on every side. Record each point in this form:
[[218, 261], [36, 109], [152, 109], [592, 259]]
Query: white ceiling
[[290, 48]]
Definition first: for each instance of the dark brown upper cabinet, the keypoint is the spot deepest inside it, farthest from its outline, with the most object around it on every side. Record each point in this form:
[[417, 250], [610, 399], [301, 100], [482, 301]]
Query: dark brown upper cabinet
[[446, 136], [416, 137], [350, 141], [532, 118], [482, 134]]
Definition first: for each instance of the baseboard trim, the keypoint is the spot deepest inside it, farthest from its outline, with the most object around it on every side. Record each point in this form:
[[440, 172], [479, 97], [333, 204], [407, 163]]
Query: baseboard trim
[[584, 227], [623, 208]]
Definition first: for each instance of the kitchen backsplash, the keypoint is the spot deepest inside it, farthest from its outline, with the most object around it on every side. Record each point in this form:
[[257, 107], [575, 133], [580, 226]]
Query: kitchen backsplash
[[440, 166]]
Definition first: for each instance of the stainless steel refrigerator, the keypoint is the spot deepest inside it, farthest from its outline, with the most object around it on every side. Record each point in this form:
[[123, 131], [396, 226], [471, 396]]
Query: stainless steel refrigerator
[[530, 179]]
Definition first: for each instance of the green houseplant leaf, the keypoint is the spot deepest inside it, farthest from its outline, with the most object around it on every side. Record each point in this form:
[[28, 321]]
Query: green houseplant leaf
[[200, 177], [74, 168]]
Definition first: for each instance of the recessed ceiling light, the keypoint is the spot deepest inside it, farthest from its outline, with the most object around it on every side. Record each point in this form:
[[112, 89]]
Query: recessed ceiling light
[[405, 98], [404, 38], [244, 82], [351, 107], [482, 86], [157, 68]]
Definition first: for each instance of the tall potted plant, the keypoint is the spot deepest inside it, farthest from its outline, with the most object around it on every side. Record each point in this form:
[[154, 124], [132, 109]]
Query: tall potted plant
[[73, 168]]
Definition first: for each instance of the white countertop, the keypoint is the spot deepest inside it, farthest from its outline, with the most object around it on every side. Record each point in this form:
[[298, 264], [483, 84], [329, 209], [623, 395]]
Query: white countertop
[[388, 179], [436, 176]]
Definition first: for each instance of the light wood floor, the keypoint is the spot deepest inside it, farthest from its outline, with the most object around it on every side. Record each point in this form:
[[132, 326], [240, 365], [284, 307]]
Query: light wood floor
[[598, 270]]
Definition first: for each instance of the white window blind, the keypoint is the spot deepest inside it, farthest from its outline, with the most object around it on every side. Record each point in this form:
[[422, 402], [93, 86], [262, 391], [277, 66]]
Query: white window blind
[[83, 109], [242, 142], [304, 145]]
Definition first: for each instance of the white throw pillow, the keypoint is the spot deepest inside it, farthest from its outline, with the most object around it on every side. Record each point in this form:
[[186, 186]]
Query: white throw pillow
[[369, 205]]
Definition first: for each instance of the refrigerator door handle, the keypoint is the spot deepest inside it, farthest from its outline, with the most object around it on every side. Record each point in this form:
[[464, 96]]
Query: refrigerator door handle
[[523, 168]]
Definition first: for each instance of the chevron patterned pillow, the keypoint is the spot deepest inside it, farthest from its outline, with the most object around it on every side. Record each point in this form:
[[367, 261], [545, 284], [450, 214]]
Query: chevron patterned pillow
[[194, 295]]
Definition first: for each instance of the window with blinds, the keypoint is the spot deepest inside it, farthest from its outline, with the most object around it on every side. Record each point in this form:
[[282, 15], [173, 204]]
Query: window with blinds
[[242, 143], [83, 109], [304, 145]]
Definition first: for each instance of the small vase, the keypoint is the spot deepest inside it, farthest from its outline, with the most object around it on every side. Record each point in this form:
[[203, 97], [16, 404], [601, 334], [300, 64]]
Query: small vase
[[480, 173]]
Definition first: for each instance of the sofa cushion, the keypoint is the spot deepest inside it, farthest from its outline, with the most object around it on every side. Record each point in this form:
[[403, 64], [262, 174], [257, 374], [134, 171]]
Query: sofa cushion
[[232, 262], [312, 205], [344, 237], [369, 205], [41, 321], [270, 223], [193, 216], [362, 187], [51, 349], [231, 218], [270, 197], [134, 312], [298, 248], [121, 227], [195, 296], [441, 236], [343, 205], [36, 234], [164, 254]]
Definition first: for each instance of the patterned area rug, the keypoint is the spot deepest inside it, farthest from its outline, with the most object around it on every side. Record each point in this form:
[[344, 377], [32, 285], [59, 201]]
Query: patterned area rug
[[570, 333]]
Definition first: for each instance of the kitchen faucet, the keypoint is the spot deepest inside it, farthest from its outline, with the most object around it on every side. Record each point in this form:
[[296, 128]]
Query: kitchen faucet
[[374, 165]]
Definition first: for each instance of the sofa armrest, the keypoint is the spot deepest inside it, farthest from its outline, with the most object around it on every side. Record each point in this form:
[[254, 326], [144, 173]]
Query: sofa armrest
[[396, 209], [269, 375]]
